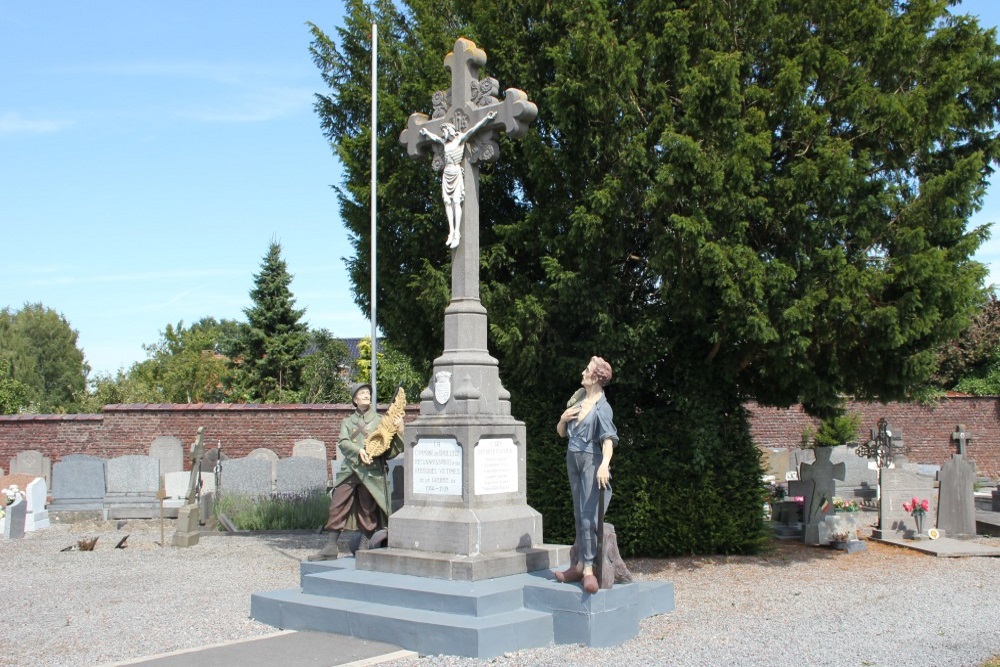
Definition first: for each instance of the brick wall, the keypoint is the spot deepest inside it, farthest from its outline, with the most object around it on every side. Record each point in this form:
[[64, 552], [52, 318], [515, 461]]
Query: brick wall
[[131, 429], [926, 429], [241, 428]]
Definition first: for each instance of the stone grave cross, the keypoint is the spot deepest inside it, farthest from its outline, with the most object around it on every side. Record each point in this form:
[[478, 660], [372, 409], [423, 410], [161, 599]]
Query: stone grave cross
[[823, 473], [960, 437]]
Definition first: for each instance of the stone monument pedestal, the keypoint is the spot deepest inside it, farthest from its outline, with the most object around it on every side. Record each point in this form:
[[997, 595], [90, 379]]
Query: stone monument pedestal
[[465, 514]]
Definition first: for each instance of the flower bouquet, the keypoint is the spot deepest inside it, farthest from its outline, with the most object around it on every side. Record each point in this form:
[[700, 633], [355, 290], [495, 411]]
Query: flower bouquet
[[918, 508]]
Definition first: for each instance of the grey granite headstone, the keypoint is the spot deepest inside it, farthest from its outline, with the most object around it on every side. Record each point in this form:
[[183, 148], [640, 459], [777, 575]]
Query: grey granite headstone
[[824, 473], [13, 525], [266, 454], [170, 452], [37, 516], [957, 502], [860, 479], [901, 485], [132, 484], [301, 474], [32, 462], [78, 483], [310, 447], [246, 477], [133, 474]]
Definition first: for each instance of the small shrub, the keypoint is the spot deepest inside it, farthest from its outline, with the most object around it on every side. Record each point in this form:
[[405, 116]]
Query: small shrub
[[276, 512]]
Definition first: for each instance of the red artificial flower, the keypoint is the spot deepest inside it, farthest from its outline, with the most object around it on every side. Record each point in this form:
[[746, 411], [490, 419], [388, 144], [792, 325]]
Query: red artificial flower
[[925, 505]]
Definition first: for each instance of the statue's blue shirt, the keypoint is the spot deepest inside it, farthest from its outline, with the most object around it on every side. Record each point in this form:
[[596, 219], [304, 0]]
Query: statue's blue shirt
[[587, 434]]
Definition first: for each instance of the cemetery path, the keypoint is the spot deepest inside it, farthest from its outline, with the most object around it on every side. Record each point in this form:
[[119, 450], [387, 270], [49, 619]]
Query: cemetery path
[[794, 604]]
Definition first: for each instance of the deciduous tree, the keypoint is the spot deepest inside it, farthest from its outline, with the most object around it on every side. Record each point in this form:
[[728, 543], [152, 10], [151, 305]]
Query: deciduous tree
[[38, 347]]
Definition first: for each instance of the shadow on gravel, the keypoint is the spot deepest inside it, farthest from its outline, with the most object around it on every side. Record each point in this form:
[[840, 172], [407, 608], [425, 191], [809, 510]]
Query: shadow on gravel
[[776, 553]]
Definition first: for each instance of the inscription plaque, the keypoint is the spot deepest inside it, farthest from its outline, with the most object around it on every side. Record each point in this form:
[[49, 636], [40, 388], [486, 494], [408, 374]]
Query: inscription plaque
[[496, 466], [437, 466]]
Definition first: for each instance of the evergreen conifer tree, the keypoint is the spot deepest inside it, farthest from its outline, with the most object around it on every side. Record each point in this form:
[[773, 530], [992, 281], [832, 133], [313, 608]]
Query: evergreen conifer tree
[[268, 354], [727, 200]]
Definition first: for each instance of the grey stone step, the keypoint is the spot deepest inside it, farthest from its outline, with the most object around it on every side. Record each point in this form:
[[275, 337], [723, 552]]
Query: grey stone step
[[483, 598], [428, 632]]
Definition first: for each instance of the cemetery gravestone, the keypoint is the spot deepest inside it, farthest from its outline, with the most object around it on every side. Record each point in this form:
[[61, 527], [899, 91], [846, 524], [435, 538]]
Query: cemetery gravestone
[[246, 477], [268, 455], [169, 451], [860, 480], [37, 517], [823, 473], [78, 484], [778, 462], [301, 475], [32, 462], [132, 484], [790, 514], [900, 485], [310, 447], [956, 501], [13, 525]]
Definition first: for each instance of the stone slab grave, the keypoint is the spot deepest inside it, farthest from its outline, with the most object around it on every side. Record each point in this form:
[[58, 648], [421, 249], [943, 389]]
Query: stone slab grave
[[14, 519], [900, 485], [466, 570], [246, 477], [956, 516], [268, 455], [300, 475], [32, 462], [169, 451], [132, 484], [78, 484], [37, 516], [956, 491]]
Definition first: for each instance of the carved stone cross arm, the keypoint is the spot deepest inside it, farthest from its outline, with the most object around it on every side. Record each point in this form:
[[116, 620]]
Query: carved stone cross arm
[[467, 102]]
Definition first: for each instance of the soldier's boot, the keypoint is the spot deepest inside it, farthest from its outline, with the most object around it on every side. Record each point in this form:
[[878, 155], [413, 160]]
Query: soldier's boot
[[330, 551]]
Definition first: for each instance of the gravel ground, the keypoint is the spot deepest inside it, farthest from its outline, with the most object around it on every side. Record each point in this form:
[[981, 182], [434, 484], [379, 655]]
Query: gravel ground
[[795, 605]]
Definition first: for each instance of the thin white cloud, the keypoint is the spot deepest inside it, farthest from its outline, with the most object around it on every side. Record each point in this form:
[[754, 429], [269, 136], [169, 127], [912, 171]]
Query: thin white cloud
[[12, 123]]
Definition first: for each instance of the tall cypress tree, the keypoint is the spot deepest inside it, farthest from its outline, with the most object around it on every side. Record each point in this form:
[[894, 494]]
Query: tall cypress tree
[[734, 200], [268, 355]]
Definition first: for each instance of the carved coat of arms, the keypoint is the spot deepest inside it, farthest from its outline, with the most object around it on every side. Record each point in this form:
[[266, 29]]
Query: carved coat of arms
[[442, 386]]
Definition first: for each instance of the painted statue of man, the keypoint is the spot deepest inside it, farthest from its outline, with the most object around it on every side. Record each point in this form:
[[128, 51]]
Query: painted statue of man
[[361, 499], [453, 178]]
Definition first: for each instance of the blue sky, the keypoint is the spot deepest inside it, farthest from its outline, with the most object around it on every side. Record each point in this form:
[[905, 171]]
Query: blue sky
[[149, 152]]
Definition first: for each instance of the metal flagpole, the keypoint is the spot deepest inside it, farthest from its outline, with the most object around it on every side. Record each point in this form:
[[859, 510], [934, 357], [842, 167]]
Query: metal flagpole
[[374, 311]]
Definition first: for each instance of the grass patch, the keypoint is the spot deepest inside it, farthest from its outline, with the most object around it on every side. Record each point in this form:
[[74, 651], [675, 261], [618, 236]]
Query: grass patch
[[286, 511], [992, 662]]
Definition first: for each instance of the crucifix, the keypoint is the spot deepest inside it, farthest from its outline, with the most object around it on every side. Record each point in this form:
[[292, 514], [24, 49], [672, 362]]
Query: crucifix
[[461, 134], [961, 438]]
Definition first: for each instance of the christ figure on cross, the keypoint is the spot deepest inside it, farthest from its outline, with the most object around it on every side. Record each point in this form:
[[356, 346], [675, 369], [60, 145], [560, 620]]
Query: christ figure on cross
[[453, 176]]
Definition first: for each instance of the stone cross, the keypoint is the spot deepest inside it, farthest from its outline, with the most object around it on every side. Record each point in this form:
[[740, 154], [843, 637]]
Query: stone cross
[[823, 473], [467, 103], [961, 437]]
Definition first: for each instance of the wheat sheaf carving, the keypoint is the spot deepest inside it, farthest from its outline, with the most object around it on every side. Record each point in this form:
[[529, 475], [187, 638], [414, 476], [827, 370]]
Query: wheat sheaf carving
[[378, 442]]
